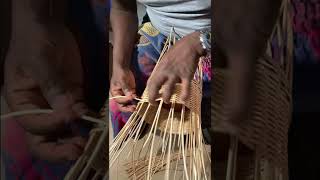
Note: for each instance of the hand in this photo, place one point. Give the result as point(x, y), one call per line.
point(177, 66)
point(46, 73)
point(123, 84)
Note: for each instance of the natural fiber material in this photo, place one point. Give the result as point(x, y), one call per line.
point(266, 130)
point(92, 163)
point(45, 111)
point(178, 125)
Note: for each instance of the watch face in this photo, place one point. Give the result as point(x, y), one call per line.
point(205, 39)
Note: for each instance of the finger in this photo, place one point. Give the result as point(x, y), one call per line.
point(45, 123)
point(128, 108)
point(78, 140)
point(27, 97)
point(169, 89)
point(122, 99)
point(53, 151)
point(185, 89)
point(154, 86)
point(71, 102)
point(129, 91)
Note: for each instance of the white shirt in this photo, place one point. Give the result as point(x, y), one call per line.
point(186, 16)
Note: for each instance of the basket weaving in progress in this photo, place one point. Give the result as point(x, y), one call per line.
point(174, 143)
point(265, 132)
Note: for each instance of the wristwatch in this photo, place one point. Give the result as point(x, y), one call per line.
point(205, 39)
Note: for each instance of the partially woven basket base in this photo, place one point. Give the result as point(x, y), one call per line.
point(192, 112)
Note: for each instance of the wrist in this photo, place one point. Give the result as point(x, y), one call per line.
point(205, 39)
point(120, 66)
point(120, 59)
point(197, 45)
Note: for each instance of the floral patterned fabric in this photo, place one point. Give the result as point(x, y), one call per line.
point(306, 27)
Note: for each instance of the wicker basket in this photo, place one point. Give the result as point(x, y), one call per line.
point(266, 131)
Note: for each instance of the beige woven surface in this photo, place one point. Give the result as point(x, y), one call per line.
point(266, 130)
point(193, 102)
point(192, 112)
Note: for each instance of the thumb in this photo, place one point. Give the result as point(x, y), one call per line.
point(68, 100)
point(129, 90)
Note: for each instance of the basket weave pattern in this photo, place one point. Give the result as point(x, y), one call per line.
point(266, 130)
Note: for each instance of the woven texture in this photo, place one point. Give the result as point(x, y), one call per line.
point(266, 130)
point(193, 109)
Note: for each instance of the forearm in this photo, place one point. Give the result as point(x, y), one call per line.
point(243, 27)
point(241, 31)
point(37, 26)
point(36, 16)
point(240, 82)
point(124, 22)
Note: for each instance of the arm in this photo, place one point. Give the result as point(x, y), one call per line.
point(124, 22)
point(37, 26)
point(241, 33)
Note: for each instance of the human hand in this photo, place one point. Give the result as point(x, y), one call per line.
point(123, 84)
point(178, 65)
point(46, 73)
